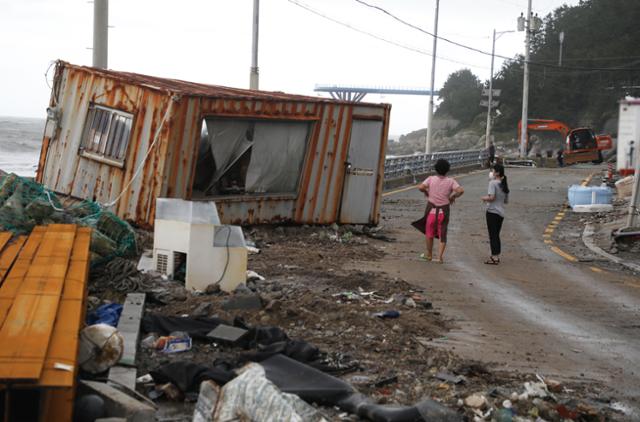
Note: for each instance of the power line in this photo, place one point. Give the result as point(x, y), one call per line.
point(378, 37)
point(417, 28)
point(477, 50)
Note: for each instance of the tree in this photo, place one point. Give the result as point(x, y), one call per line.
point(460, 97)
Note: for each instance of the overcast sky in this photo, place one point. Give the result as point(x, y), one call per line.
point(209, 41)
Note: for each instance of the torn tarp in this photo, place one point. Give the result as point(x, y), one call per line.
point(314, 386)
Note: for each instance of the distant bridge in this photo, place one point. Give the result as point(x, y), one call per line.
point(357, 93)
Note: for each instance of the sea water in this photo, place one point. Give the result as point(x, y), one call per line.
point(20, 141)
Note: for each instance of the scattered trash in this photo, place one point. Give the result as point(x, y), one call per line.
point(253, 250)
point(475, 401)
point(175, 342)
point(387, 314)
point(254, 276)
point(106, 314)
point(454, 379)
point(386, 381)
point(145, 379)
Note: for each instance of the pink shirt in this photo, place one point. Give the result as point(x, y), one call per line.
point(440, 188)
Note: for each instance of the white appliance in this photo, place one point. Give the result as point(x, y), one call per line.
point(190, 233)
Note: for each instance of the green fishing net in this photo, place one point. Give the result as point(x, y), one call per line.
point(25, 204)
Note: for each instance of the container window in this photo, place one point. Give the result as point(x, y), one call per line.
point(250, 157)
point(106, 134)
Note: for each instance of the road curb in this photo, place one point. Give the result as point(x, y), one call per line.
point(587, 239)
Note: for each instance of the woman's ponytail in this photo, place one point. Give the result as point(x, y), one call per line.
point(499, 169)
point(504, 185)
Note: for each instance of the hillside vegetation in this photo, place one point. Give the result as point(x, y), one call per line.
point(600, 66)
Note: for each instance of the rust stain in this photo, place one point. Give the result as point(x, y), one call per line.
point(322, 158)
point(326, 207)
point(342, 158)
point(305, 180)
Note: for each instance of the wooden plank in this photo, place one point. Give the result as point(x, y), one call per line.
point(63, 348)
point(27, 329)
point(20, 267)
point(5, 237)
point(57, 405)
point(129, 327)
point(9, 255)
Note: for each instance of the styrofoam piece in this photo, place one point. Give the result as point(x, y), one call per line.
point(624, 187)
point(192, 212)
point(593, 208)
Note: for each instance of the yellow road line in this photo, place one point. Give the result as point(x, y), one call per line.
point(548, 230)
point(596, 270)
point(393, 192)
point(548, 242)
point(563, 254)
point(546, 235)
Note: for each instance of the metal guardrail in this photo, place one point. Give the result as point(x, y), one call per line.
point(408, 165)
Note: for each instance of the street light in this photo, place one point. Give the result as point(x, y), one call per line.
point(496, 35)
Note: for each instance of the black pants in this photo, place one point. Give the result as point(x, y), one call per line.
point(494, 225)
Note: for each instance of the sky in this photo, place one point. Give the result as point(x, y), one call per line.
point(209, 41)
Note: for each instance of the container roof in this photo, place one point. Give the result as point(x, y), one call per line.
point(195, 89)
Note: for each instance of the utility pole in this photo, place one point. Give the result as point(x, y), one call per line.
point(561, 38)
point(493, 52)
point(433, 81)
point(253, 77)
point(100, 33)
point(496, 35)
point(525, 86)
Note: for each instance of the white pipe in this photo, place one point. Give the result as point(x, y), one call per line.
point(100, 33)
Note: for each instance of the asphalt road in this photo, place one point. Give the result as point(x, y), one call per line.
point(536, 311)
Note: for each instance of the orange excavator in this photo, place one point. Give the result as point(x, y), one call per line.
point(582, 145)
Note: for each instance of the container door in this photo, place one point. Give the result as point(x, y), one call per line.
point(361, 168)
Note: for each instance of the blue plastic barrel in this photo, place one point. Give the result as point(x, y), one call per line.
point(584, 195)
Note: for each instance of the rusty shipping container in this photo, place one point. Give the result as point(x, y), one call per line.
point(124, 139)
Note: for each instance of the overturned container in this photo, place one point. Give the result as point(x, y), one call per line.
point(124, 139)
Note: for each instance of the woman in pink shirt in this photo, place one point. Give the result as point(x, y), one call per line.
point(441, 191)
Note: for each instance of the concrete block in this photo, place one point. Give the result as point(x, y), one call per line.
point(117, 403)
point(227, 333)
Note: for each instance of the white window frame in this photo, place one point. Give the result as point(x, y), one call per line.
point(106, 140)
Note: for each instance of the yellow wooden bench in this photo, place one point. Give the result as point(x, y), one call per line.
point(43, 284)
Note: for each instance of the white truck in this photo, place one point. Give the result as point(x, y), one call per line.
point(628, 135)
